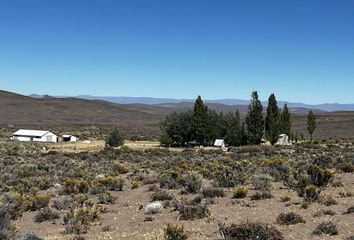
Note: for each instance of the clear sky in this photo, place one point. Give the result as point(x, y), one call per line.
point(302, 50)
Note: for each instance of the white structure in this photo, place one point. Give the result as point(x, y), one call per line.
point(25, 135)
point(283, 140)
point(219, 143)
point(69, 138)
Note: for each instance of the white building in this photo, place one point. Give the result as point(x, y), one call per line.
point(219, 143)
point(69, 138)
point(25, 135)
point(283, 140)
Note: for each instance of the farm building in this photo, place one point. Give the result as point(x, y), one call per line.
point(219, 143)
point(25, 135)
point(69, 138)
point(283, 140)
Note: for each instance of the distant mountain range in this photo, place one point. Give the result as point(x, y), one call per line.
point(328, 107)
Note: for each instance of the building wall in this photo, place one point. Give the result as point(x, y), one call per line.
point(49, 137)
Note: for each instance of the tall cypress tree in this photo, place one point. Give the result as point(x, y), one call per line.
point(311, 123)
point(255, 120)
point(285, 122)
point(200, 122)
point(272, 120)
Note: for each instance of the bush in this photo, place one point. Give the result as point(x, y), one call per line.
point(261, 195)
point(31, 236)
point(192, 183)
point(326, 228)
point(115, 139)
point(213, 192)
point(347, 167)
point(240, 192)
point(121, 168)
point(262, 182)
point(328, 200)
point(311, 193)
point(78, 220)
point(285, 198)
point(37, 202)
point(175, 232)
point(349, 210)
point(135, 184)
point(161, 195)
point(46, 214)
point(289, 218)
point(106, 198)
point(319, 177)
point(248, 231)
point(74, 186)
point(5, 223)
point(153, 207)
point(111, 183)
point(193, 212)
point(324, 212)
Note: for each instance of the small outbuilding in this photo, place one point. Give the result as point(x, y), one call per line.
point(283, 140)
point(220, 143)
point(25, 135)
point(69, 138)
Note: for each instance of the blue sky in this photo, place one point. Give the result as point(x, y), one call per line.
point(302, 50)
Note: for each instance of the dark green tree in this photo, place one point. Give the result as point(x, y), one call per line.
point(200, 122)
point(272, 120)
point(255, 120)
point(235, 130)
point(115, 139)
point(176, 128)
point(285, 121)
point(311, 123)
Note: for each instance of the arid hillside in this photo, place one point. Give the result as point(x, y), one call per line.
point(96, 117)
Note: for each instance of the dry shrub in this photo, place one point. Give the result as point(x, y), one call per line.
point(212, 192)
point(323, 212)
point(261, 195)
point(190, 212)
point(74, 186)
point(289, 218)
point(248, 231)
point(161, 195)
point(326, 228)
point(349, 210)
point(240, 192)
point(175, 232)
point(46, 214)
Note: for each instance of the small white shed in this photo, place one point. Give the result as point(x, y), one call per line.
point(25, 135)
point(219, 143)
point(69, 138)
point(283, 140)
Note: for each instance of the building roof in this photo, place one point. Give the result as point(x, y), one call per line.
point(32, 133)
point(218, 142)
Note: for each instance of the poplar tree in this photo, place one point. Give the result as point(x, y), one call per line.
point(255, 120)
point(200, 122)
point(311, 123)
point(285, 122)
point(272, 120)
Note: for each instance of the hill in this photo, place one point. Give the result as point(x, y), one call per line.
point(96, 117)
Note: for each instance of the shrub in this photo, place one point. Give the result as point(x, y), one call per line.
point(46, 214)
point(161, 195)
point(121, 168)
point(111, 183)
point(78, 220)
point(5, 223)
point(192, 183)
point(326, 228)
point(115, 139)
point(347, 167)
point(175, 232)
point(188, 212)
point(74, 186)
point(285, 198)
point(135, 184)
point(153, 207)
point(328, 200)
point(311, 193)
point(319, 177)
point(106, 198)
point(349, 210)
point(228, 177)
point(37, 202)
point(324, 212)
point(31, 236)
point(248, 231)
point(289, 218)
point(213, 192)
point(261, 195)
point(262, 182)
point(240, 192)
